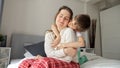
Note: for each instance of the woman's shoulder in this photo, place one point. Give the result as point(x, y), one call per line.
point(49, 33)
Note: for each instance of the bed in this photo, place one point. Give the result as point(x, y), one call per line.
point(18, 52)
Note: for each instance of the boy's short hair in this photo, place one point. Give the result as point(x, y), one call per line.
point(83, 21)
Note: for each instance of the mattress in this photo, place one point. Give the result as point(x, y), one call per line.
point(18, 52)
point(94, 62)
point(14, 63)
point(102, 63)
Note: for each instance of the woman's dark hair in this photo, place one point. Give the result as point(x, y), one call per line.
point(65, 8)
point(83, 21)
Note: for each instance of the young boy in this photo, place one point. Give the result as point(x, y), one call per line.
point(80, 23)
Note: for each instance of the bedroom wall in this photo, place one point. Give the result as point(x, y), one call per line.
point(110, 23)
point(1, 8)
point(33, 16)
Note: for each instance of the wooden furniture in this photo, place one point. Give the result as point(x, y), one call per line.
point(4, 56)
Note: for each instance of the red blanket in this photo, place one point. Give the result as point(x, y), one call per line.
point(47, 63)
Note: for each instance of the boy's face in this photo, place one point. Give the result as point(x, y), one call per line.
point(73, 24)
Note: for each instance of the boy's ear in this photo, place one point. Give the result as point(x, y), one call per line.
point(70, 21)
point(78, 28)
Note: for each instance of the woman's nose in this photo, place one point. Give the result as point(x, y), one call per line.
point(62, 19)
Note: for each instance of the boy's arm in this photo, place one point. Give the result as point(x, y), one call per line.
point(79, 43)
point(56, 41)
point(56, 32)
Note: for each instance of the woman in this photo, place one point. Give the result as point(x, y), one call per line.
point(55, 58)
point(62, 19)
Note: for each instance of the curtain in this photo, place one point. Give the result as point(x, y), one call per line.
point(92, 33)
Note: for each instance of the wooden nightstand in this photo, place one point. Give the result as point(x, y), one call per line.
point(4, 56)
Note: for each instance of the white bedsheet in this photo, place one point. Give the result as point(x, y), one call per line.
point(14, 63)
point(102, 63)
point(94, 62)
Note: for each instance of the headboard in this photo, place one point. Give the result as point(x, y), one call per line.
point(17, 44)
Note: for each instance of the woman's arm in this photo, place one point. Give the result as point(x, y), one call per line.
point(79, 43)
point(49, 50)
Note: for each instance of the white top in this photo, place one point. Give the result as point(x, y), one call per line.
point(75, 59)
point(78, 34)
point(67, 35)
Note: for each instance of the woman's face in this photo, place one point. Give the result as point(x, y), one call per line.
point(62, 19)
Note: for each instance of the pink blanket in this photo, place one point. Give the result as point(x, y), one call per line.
point(47, 62)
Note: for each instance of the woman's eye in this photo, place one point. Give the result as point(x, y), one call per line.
point(66, 18)
point(60, 16)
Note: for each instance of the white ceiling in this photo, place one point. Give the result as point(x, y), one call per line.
point(97, 1)
point(102, 4)
point(91, 1)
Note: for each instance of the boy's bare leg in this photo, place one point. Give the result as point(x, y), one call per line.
point(70, 51)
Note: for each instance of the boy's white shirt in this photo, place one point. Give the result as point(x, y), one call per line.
point(67, 35)
point(75, 59)
point(78, 34)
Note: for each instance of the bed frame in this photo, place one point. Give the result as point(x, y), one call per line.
point(18, 41)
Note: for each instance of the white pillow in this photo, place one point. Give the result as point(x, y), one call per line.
point(28, 54)
point(90, 56)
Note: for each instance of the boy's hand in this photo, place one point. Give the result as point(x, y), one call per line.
point(56, 32)
point(54, 43)
point(60, 46)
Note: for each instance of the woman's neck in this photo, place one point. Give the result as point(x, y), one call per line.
point(59, 29)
